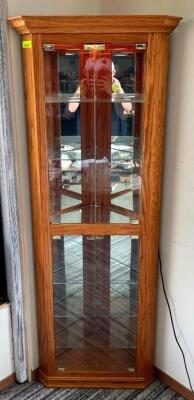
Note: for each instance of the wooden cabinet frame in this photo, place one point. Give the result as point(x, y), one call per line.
point(154, 31)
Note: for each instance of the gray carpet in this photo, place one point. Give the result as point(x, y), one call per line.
point(35, 391)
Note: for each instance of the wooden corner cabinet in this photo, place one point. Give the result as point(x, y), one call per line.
point(95, 90)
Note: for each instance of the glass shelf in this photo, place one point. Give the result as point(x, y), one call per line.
point(121, 147)
point(82, 180)
point(69, 282)
point(96, 359)
point(99, 287)
point(96, 332)
point(115, 98)
point(70, 299)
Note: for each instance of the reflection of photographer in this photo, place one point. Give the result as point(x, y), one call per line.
point(116, 89)
point(121, 111)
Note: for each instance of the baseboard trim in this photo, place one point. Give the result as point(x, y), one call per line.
point(34, 375)
point(7, 381)
point(178, 387)
point(102, 381)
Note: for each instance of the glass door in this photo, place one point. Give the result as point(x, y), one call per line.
point(93, 108)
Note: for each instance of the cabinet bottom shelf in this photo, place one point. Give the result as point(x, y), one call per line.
point(94, 380)
point(96, 359)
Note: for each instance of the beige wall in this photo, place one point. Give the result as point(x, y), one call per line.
point(166, 7)
point(177, 219)
point(53, 7)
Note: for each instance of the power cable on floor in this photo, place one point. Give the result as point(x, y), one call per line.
point(172, 322)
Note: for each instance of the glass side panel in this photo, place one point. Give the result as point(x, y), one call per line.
point(95, 294)
point(94, 103)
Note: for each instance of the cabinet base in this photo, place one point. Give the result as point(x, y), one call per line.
point(98, 381)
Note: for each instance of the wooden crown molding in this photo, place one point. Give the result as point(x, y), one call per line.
point(95, 24)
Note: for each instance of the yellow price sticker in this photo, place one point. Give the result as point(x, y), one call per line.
point(26, 44)
point(115, 87)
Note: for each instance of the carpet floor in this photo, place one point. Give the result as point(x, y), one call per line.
point(36, 391)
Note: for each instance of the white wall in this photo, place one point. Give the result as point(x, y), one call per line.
point(6, 344)
point(177, 227)
point(27, 7)
point(177, 219)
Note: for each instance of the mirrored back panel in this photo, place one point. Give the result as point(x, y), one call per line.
point(95, 296)
point(94, 101)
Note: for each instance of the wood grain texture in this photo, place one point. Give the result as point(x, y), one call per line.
point(71, 38)
point(155, 76)
point(35, 124)
point(176, 386)
point(95, 380)
point(48, 348)
point(95, 24)
point(153, 128)
point(97, 229)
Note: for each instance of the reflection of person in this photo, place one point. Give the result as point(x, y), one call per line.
point(116, 89)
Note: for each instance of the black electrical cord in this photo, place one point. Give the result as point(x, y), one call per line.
point(172, 322)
